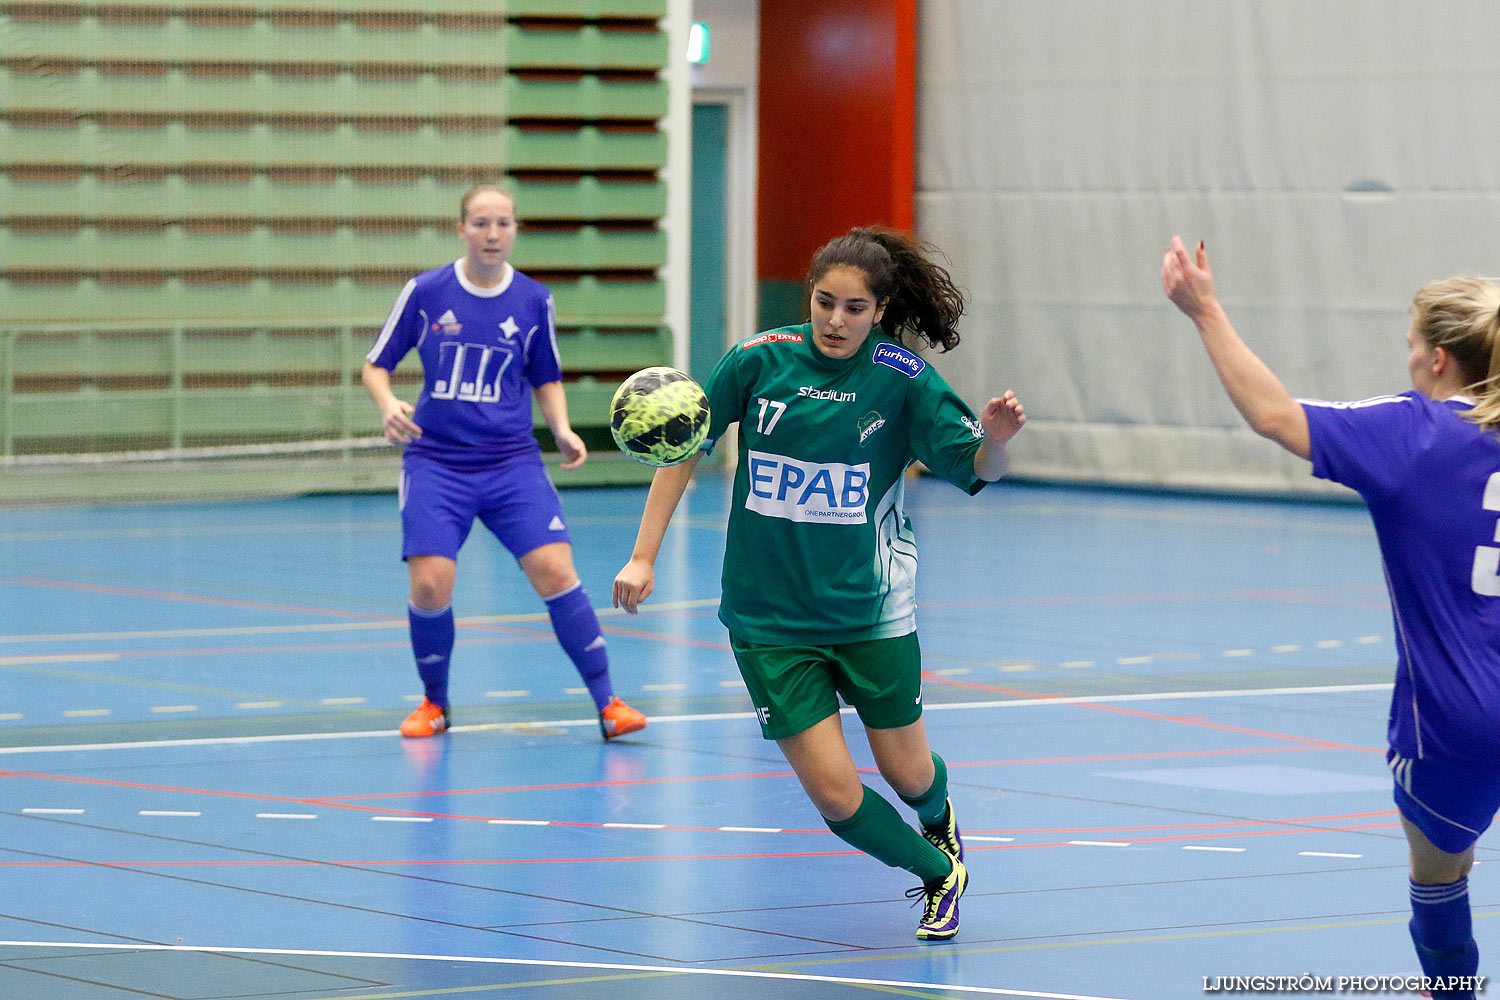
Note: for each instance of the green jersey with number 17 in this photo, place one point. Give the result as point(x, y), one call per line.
point(819, 550)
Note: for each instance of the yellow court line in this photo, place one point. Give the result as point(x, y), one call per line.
point(486, 987)
point(11, 661)
point(951, 950)
point(390, 623)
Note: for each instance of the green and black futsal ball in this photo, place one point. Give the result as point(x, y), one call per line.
point(659, 416)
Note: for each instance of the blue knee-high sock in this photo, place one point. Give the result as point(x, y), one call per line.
point(1443, 931)
point(577, 629)
point(432, 645)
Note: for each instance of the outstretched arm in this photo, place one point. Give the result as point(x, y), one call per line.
point(636, 580)
point(1253, 388)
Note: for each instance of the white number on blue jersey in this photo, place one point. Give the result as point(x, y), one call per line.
point(1486, 577)
point(470, 372)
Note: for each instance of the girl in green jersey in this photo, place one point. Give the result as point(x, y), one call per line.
point(820, 562)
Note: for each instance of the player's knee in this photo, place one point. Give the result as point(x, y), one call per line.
point(430, 594)
point(836, 805)
point(907, 778)
point(1440, 869)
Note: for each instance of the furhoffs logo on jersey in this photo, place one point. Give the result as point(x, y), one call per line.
point(974, 426)
point(899, 358)
point(831, 493)
point(448, 323)
point(771, 338)
point(869, 424)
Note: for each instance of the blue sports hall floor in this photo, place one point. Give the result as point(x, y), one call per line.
point(1163, 718)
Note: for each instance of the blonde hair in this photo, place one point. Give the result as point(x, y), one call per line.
point(1462, 316)
point(475, 191)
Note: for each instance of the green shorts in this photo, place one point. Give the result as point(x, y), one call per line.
point(793, 687)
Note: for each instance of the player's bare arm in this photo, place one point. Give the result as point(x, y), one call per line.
point(553, 403)
point(1002, 419)
point(1253, 388)
point(395, 413)
point(636, 580)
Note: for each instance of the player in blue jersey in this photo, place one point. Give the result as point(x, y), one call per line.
point(486, 337)
point(820, 562)
point(1427, 463)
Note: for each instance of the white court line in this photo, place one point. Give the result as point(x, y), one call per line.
point(1098, 843)
point(634, 826)
point(542, 963)
point(520, 822)
point(1326, 854)
point(659, 720)
point(168, 812)
point(401, 819)
point(1226, 850)
point(748, 829)
point(1006, 840)
point(39, 811)
point(286, 815)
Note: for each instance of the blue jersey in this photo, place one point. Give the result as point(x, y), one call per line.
point(1432, 482)
point(483, 350)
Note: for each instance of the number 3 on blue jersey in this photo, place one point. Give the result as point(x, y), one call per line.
point(1486, 577)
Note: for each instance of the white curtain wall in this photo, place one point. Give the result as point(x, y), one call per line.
point(1333, 155)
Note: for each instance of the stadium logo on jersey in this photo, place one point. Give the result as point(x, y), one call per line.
point(899, 358)
point(510, 327)
point(830, 394)
point(448, 323)
point(869, 424)
point(771, 338)
point(807, 491)
point(974, 426)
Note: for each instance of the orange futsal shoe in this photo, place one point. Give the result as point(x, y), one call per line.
point(429, 720)
point(618, 718)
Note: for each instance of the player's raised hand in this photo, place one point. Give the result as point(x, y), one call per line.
point(1187, 281)
point(1002, 417)
point(633, 584)
point(396, 422)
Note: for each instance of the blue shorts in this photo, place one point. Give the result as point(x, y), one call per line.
point(516, 501)
point(1451, 801)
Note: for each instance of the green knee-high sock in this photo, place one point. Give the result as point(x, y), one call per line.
point(932, 804)
point(878, 830)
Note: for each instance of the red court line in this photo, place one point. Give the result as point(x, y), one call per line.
point(416, 862)
point(1094, 759)
point(676, 640)
point(1138, 713)
point(318, 647)
point(1205, 826)
point(1304, 596)
point(169, 595)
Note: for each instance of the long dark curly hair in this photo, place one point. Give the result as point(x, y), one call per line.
point(921, 301)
